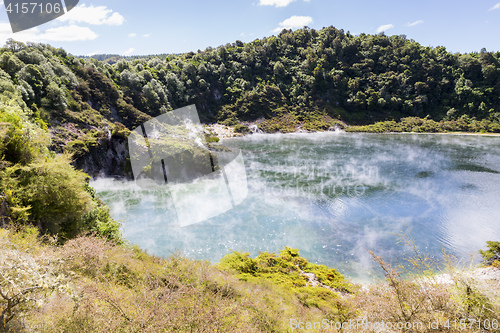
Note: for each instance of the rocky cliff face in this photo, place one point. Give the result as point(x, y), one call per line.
point(109, 158)
point(4, 211)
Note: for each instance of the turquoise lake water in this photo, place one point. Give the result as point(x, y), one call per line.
point(334, 196)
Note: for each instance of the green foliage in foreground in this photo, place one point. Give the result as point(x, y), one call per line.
point(91, 285)
point(285, 269)
point(291, 274)
point(491, 256)
point(42, 188)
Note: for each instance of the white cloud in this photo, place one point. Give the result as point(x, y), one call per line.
point(384, 27)
point(146, 35)
point(129, 51)
point(22, 36)
point(30, 35)
point(69, 33)
point(276, 3)
point(115, 19)
point(5, 28)
point(92, 15)
point(412, 24)
point(294, 22)
point(132, 35)
point(497, 6)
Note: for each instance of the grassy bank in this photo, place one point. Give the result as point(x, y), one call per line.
point(423, 125)
point(320, 123)
point(93, 285)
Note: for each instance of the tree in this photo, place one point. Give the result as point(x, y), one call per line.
point(279, 69)
point(55, 97)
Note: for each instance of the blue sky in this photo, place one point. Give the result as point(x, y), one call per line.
point(151, 26)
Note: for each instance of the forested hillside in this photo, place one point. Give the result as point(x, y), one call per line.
point(360, 79)
point(299, 79)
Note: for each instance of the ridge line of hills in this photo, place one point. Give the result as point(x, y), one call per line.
point(306, 78)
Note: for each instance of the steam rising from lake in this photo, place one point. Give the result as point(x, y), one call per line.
point(334, 196)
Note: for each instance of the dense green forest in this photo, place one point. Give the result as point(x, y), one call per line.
point(360, 79)
point(297, 76)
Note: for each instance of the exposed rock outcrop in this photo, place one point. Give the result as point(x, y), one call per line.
point(109, 158)
point(4, 210)
point(313, 281)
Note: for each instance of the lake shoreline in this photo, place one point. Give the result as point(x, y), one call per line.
point(225, 132)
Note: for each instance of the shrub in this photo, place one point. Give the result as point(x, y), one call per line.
point(423, 297)
point(54, 193)
point(28, 275)
point(42, 188)
point(240, 262)
point(99, 221)
point(285, 123)
point(119, 130)
point(240, 128)
point(21, 140)
point(492, 254)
